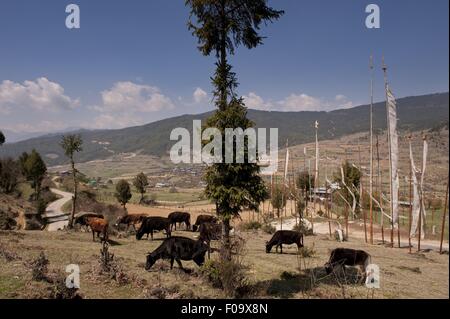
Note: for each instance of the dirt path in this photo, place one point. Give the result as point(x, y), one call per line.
point(56, 217)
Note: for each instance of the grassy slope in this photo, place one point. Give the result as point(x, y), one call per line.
point(423, 275)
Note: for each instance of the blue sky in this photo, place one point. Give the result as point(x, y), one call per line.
point(134, 62)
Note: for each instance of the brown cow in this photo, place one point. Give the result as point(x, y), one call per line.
point(99, 226)
point(129, 220)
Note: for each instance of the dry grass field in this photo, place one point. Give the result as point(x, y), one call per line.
point(403, 275)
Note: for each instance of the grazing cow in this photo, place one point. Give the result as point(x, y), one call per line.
point(287, 237)
point(129, 220)
point(201, 219)
point(178, 249)
point(82, 219)
point(180, 217)
point(150, 224)
point(99, 226)
point(348, 257)
point(208, 232)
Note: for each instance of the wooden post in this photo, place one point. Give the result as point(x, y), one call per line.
point(443, 217)
point(327, 200)
point(346, 221)
point(420, 224)
point(361, 193)
point(380, 191)
point(398, 224)
point(371, 154)
point(410, 205)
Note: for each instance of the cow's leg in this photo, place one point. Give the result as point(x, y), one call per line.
point(209, 250)
point(281, 248)
point(179, 263)
point(151, 234)
point(171, 262)
point(93, 235)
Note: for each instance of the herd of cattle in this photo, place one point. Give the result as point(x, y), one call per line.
point(175, 248)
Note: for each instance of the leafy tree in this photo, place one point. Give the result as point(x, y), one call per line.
point(305, 181)
point(278, 199)
point(123, 192)
point(72, 144)
point(34, 169)
point(141, 183)
point(2, 138)
point(9, 175)
point(221, 26)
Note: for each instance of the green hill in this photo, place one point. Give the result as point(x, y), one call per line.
point(415, 113)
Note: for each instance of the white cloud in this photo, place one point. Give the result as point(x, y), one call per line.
point(115, 121)
point(41, 95)
point(131, 97)
point(254, 101)
point(297, 103)
point(126, 103)
point(301, 102)
point(43, 126)
point(343, 102)
point(200, 95)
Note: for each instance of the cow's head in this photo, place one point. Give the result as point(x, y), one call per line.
point(268, 247)
point(118, 221)
point(328, 268)
point(139, 234)
point(150, 262)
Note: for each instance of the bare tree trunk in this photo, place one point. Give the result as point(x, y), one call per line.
point(75, 191)
point(226, 247)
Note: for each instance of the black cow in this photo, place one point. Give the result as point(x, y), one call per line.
point(178, 249)
point(208, 232)
point(180, 217)
point(287, 237)
point(201, 219)
point(348, 257)
point(150, 224)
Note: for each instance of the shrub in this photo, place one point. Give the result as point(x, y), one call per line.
point(39, 267)
point(229, 274)
point(110, 267)
point(269, 229)
point(173, 190)
point(307, 252)
point(302, 228)
point(251, 225)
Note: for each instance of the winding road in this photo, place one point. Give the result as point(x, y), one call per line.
point(56, 218)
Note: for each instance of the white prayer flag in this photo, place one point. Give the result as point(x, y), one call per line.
point(393, 141)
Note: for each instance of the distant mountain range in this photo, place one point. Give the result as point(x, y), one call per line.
point(415, 113)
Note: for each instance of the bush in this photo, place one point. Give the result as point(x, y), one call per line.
point(251, 225)
point(229, 275)
point(173, 190)
point(301, 228)
point(110, 267)
point(307, 252)
point(269, 229)
point(39, 267)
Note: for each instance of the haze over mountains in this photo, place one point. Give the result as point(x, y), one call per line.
point(415, 113)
